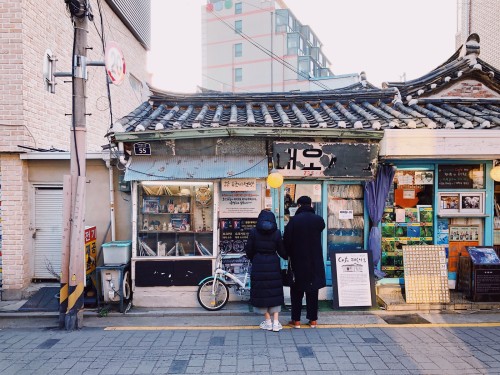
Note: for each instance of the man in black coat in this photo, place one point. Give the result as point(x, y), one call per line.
point(302, 239)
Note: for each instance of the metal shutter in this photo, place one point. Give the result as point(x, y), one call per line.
point(48, 224)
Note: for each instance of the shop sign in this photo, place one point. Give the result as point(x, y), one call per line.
point(142, 148)
point(240, 204)
point(90, 249)
point(311, 159)
point(239, 184)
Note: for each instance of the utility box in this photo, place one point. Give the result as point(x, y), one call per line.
point(479, 274)
point(116, 252)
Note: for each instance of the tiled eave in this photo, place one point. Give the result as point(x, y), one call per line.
point(149, 136)
point(332, 117)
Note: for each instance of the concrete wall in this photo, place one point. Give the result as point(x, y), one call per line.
point(98, 192)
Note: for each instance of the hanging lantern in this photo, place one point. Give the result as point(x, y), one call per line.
point(275, 179)
point(495, 173)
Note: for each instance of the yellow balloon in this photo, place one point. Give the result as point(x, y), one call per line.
point(494, 173)
point(275, 180)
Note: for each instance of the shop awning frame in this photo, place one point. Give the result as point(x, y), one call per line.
point(146, 168)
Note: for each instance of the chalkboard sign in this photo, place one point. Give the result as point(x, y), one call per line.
point(234, 234)
point(456, 176)
point(487, 281)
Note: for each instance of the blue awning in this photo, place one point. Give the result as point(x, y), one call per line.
point(195, 168)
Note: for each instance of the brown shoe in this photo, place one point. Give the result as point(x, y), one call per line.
point(294, 323)
point(313, 323)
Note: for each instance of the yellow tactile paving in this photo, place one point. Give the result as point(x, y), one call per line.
point(322, 326)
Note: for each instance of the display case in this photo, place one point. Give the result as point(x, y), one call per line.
point(174, 219)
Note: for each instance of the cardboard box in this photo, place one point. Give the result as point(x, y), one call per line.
point(116, 252)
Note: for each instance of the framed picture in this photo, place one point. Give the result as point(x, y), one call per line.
point(471, 203)
point(449, 203)
point(151, 205)
point(424, 177)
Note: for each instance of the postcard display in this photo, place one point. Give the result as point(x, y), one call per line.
point(407, 218)
point(175, 220)
point(426, 274)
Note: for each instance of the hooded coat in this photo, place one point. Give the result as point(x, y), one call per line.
point(263, 246)
point(302, 240)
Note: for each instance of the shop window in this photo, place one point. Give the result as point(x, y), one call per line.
point(175, 219)
point(345, 221)
point(294, 192)
point(408, 217)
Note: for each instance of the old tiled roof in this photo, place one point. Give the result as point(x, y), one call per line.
point(359, 107)
point(463, 63)
point(371, 110)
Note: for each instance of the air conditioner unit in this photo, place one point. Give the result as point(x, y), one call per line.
point(110, 284)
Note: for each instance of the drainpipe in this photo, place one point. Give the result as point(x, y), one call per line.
point(121, 152)
point(111, 199)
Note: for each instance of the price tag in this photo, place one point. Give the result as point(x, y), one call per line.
point(142, 148)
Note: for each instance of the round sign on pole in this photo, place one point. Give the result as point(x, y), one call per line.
point(115, 63)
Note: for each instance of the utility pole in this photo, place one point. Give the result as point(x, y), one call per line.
point(73, 272)
point(73, 242)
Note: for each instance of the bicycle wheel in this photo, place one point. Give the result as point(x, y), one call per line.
point(213, 297)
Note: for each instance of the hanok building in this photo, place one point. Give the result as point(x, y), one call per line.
point(198, 166)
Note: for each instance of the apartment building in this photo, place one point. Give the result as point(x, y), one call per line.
point(480, 17)
point(35, 125)
point(261, 46)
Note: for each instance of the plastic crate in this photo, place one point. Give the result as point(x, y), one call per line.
point(116, 252)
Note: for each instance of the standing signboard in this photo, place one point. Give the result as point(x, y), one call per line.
point(352, 279)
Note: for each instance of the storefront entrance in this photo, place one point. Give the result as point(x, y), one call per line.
point(342, 207)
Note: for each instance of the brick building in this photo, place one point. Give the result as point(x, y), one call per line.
point(35, 126)
point(481, 17)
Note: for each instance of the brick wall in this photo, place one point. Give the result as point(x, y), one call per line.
point(32, 117)
point(485, 22)
point(11, 72)
point(37, 118)
point(484, 16)
point(15, 213)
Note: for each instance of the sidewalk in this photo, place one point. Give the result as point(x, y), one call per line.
point(239, 315)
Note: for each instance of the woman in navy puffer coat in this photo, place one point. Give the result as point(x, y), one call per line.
point(263, 247)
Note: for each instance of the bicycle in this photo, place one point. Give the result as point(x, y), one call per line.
point(213, 291)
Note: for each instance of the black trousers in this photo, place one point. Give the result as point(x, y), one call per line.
point(311, 303)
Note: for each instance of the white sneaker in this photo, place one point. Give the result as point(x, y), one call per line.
point(266, 325)
point(277, 326)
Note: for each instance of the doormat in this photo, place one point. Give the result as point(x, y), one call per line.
point(405, 319)
point(46, 299)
